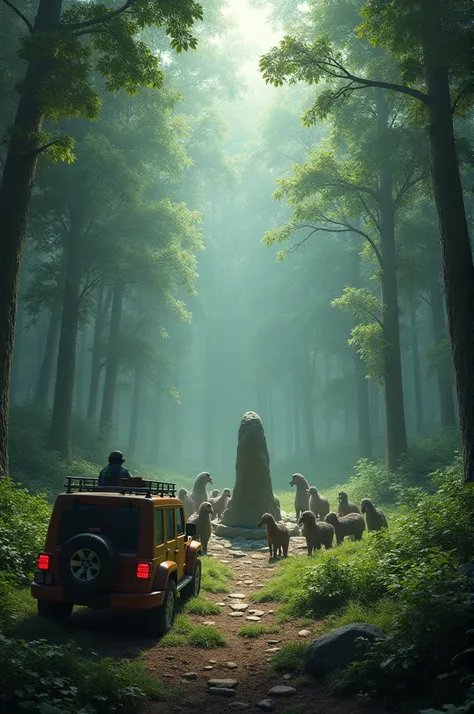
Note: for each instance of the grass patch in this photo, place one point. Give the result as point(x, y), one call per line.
point(185, 633)
point(381, 615)
point(215, 576)
point(289, 659)
point(206, 638)
point(257, 630)
point(197, 606)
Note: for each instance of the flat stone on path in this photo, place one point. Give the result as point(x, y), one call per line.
point(224, 561)
point(239, 554)
point(239, 607)
point(236, 614)
point(221, 604)
point(239, 705)
point(209, 623)
point(273, 642)
point(257, 613)
point(237, 596)
point(208, 667)
point(221, 691)
point(273, 649)
point(266, 705)
point(228, 683)
point(304, 633)
point(254, 618)
point(189, 675)
point(231, 665)
point(282, 690)
point(248, 582)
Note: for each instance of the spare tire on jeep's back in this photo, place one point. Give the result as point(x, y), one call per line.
point(87, 563)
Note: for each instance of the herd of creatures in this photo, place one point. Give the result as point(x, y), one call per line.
point(319, 524)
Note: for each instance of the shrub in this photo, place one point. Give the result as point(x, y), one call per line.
point(289, 658)
point(57, 679)
point(23, 528)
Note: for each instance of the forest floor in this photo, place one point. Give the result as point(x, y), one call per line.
point(242, 659)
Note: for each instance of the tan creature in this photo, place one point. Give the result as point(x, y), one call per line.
point(302, 497)
point(374, 516)
point(318, 504)
point(202, 519)
point(278, 535)
point(199, 490)
point(317, 533)
point(187, 502)
point(215, 493)
point(345, 506)
point(351, 525)
point(220, 504)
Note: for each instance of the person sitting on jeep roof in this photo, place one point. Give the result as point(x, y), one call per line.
point(111, 474)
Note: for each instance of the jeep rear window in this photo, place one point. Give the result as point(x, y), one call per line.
point(119, 524)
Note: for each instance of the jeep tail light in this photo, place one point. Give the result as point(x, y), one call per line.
point(43, 562)
point(143, 570)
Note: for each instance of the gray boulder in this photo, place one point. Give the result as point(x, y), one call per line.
point(338, 648)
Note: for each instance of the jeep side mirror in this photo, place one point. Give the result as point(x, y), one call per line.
point(190, 530)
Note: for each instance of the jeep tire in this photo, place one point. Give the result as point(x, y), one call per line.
point(161, 619)
point(194, 587)
point(87, 563)
point(55, 611)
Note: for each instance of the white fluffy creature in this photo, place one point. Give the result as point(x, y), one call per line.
point(199, 490)
point(219, 504)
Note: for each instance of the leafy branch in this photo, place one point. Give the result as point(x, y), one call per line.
point(17, 12)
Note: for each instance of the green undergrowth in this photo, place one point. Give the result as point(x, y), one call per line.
point(184, 633)
point(198, 606)
point(405, 580)
point(215, 576)
point(257, 630)
point(58, 679)
point(289, 659)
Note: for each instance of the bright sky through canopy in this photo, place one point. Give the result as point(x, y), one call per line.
point(254, 27)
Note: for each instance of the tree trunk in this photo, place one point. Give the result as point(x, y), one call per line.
point(100, 318)
point(135, 412)
point(415, 351)
point(16, 368)
point(156, 429)
point(456, 251)
point(396, 438)
point(111, 368)
point(61, 422)
point(362, 383)
point(307, 397)
point(444, 376)
point(296, 407)
point(79, 386)
point(15, 192)
point(45, 378)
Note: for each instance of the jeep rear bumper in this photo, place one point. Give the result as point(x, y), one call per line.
point(119, 601)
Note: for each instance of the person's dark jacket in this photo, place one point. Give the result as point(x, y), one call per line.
point(111, 475)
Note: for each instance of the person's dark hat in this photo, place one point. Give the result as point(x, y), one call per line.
point(116, 456)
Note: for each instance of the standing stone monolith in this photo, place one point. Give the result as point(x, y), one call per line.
point(252, 495)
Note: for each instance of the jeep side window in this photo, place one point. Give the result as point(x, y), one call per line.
point(170, 524)
point(160, 535)
point(180, 521)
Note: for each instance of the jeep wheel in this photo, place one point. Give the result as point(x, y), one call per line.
point(194, 587)
point(87, 563)
point(161, 619)
point(56, 611)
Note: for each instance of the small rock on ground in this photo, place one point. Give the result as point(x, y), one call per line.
point(273, 642)
point(231, 665)
point(236, 614)
point(239, 607)
point(189, 675)
point(226, 683)
point(266, 705)
point(237, 596)
point(273, 649)
point(209, 622)
point(257, 613)
point(282, 690)
point(304, 633)
point(253, 618)
point(222, 691)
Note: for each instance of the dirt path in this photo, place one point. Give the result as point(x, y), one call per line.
point(245, 660)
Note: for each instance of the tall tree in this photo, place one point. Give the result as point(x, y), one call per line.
point(433, 43)
point(60, 50)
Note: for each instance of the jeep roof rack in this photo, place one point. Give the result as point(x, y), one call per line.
point(139, 486)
